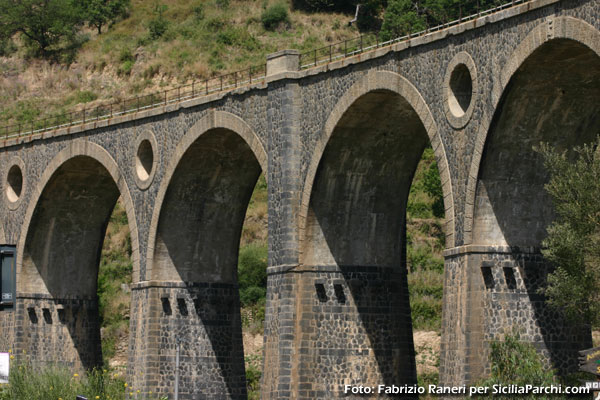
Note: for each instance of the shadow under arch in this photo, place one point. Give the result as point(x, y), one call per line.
point(549, 93)
point(195, 240)
point(354, 326)
point(58, 255)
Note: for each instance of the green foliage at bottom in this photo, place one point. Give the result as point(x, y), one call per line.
point(253, 375)
point(514, 362)
point(58, 382)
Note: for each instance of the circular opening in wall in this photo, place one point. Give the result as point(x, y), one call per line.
point(144, 160)
point(461, 89)
point(14, 185)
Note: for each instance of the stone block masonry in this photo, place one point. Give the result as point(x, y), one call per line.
point(339, 144)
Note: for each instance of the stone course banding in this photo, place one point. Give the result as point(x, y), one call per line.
point(297, 127)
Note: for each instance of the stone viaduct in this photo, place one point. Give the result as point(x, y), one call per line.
point(339, 144)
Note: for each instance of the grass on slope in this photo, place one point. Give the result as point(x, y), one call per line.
point(201, 38)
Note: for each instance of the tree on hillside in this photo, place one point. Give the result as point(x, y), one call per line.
point(45, 24)
point(401, 18)
point(409, 16)
point(573, 242)
point(99, 13)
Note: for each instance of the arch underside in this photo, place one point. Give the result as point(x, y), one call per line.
point(195, 256)
point(58, 278)
point(355, 249)
point(553, 97)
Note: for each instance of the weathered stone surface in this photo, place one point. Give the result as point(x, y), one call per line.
point(338, 144)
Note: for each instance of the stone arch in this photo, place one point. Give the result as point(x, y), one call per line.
point(213, 120)
point(552, 29)
point(390, 81)
point(193, 250)
point(546, 92)
point(352, 235)
point(58, 253)
point(99, 154)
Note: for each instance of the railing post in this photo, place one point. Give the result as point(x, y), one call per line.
point(97, 113)
point(206, 85)
point(165, 97)
point(19, 131)
point(193, 87)
point(315, 57)
point(137, 99)
point(235, 79)
point(345, 47)
point(111, 110)
point(377, 40)
point(330, 52)
point(221, 82)
point(84, 115)
point(361, 43)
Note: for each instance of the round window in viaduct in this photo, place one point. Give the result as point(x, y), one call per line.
point(14, 183)
point(460, 90)
point(145, 160)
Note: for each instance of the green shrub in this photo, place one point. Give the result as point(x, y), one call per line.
point(125, 68)
point(252, 295)
point(125, 54)
point(275, 15)
point(252, 273)
point(81, 96)
point(428, 378)
point(7, 47)
point(517, 363)
point(158, 25)
point(253, 375)
point(233, 36)
point(421, 257)
point(198, 10)
point(400, 19)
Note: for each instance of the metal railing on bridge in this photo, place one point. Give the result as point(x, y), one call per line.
point(136, 104)
point(221, 83)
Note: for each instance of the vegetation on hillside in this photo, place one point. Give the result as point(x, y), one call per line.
point(425, 242)
point(61, 55)
point(156, 45)
point(114, 277)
